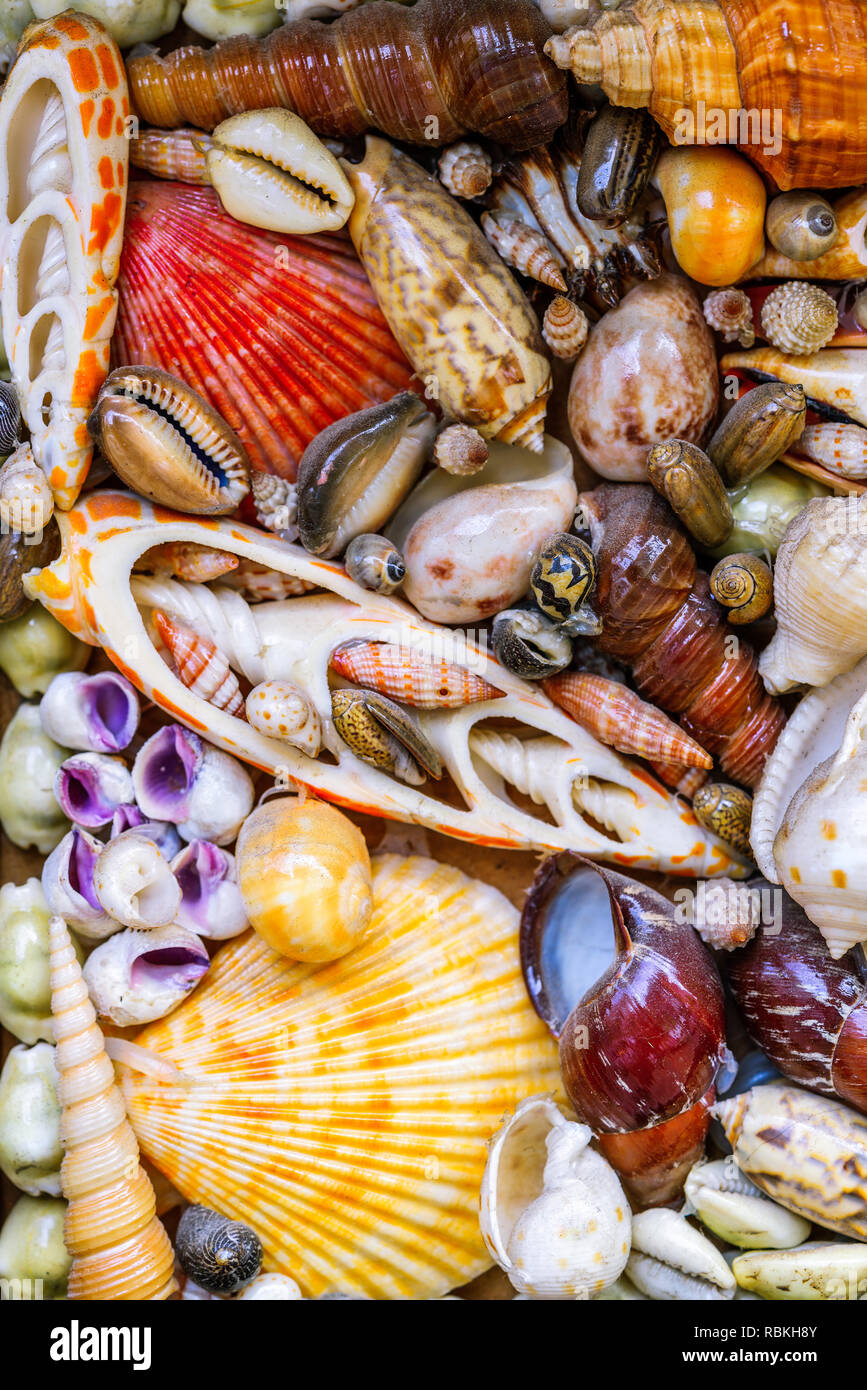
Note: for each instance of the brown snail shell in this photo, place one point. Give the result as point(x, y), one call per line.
point(620, 150)
point(168, 444)
point(757, 431)
point(727, 811)
point(801, 225)
point(18, 554)
point(693, 488)
point(744, 585)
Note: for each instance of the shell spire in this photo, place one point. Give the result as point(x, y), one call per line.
point(119, 1248)
point(410, 677)
point(614, 714)
point(201, 665)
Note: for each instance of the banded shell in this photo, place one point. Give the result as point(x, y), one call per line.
point(382, 734)
point(10, 418)
point(744, 585)
point(839, 447)
point(374, 563)
point(119, 1248)
point(460, 449)
point(806, 1151)
point(524, 249)
point(565, 327)
point(172, 154)
point(726, 810)
point(618, 717)
point(672, 1261)
point(563, 578)
point(221, 1256)
point(409, 677)
point(281, 335)
point(200, 664)
point(730, 312)
point(276, 504)
point(168, 444)
point(736, 1210)
point(799, 317)
point(413, 1097)
point(465, 169)
point(280, 710)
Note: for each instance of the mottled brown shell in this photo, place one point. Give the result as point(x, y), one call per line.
point(757, 431)
point(693, 488)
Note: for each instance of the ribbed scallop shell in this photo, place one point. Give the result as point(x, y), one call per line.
point(281, 334)
point(730, 313)
point(173, 154)
point(524, 248)
point(617, 716)
point(839, 447)
point(799, 317)
point(201, 665)
point(343, 1111)
point(406, 676)
point(119, 1247)
point(565, 327)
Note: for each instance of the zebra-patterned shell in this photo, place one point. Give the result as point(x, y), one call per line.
point(563, 577)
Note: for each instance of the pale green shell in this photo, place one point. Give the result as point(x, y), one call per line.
point(31, 1247)
point(35, 648)
point(30, 1147)
point(25, 991)
point(29, 760)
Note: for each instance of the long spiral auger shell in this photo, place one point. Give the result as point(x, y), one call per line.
point(120, 1249)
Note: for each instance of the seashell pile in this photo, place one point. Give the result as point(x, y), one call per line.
point(450, 448)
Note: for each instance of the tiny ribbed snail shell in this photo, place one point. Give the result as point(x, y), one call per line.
point(524, 248)
point(220, 1255)
point(801, 225)
point(276, 503)
point(168, 444)
point(693, 488)
point(799, 317)
point(563, 578)
point(465, 169)
point(727, 811)
point(565, 327)
point(26, 499)
point(374, 563)
point(757, 430)
point(530, 645)
point(725, 914)
point(379, 732)
point(10, 417)
point(730, 312)
point(744, 585)
point(460, 449)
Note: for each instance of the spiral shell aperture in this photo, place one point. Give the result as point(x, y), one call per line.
point(119, 1247)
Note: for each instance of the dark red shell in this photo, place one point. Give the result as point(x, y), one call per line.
point(806, 1011)
point(644, 1042)
point(658, 613)
point(653, 1164)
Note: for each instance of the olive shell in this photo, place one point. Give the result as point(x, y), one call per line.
point(18, 554)
point(620, 149)
point(757, 430)
point(744, 585)
point(727, 812)
point(220, 1255)
point(693, 488)
point(563, 577)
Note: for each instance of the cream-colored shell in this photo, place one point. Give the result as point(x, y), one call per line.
point(819, 848)
point(270, 1288)
point(30, 1149)
point(281, 710)
point(25, 991)
point(820, 595)
point(812, 735)
point(271, 171)
point(818, 1270)
point(32, 1248)
point(735, 1209)
point(835, 376)
point(465, 169)
point(730, 313)
point(672, 1261)
point(128, 21)
point(29, 760)
point(806, 1151)
point(134, 883)
point(799, 317)
point(26, 499)
point(35, 648)
point(222, 19)
point(553, 1213)
point(839, 447)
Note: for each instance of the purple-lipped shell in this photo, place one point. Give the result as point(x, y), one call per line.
point(90, 787)
point(138, 976)
point(67, 881)
point(162, 832)
point(168, 967)
point(211, 902)
point(96, 714)
point(165, 773)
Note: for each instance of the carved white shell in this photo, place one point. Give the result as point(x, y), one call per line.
point(820, 595)
point(672, 1261)
point(731, 1206)
point(553, 1213)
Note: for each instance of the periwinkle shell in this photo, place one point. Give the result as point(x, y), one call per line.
point(220, 1255)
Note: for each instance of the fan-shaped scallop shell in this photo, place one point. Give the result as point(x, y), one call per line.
point(119, 1247)
point(343, 1111)
point(730, 312)
point(799, 317)
point(200, 664)
point(281, 334)
point(409, 677)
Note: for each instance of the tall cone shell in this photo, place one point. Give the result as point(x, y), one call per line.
point(281, 334)
point(343, 1111)
point(119, 1248)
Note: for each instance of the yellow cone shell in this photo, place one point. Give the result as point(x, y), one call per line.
point(304, 874)
point(343, 1111)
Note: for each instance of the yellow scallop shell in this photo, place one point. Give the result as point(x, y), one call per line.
point(343, 1111)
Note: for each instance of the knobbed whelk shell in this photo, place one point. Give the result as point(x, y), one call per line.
point(119, 1248)
point(355, 473)
point(410, 1094)
point(806, 1151)
point(735, 1209)
point(168, 444)
point(820, 595)
point(817, 1270)
point(671, 1260)
point(271, 170)
point(799, 317)
point(475, 336)
point(553, 1213)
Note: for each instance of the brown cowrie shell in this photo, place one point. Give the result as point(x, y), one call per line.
point(271, 171)
point(168, 444)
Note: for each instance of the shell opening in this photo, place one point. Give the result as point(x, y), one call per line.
point(169, 967)
point(80, 867)
point(112, 711)
point(567, 944)
point(199, 453)
point(171, 763)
